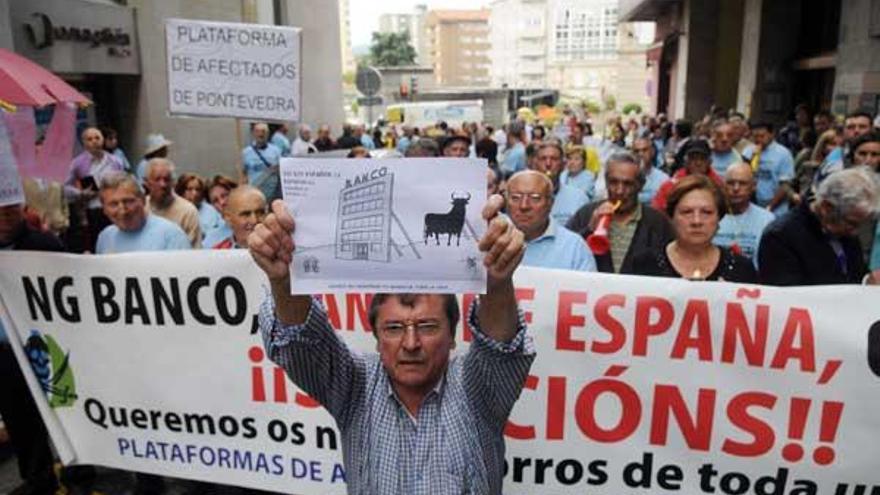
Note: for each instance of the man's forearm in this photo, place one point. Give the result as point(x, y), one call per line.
point(290, 309)
point(781, 194)
point(498, 311)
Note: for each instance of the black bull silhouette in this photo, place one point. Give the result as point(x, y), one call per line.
point(450, 223)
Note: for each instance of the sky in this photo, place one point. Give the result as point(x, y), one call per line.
point(365, 13)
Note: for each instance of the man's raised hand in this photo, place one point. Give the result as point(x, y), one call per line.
point(503, 244)
point(271, 243)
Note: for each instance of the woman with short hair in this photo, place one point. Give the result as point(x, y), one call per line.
point(695, 205)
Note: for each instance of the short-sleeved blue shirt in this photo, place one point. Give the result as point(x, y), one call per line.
point(560, 248)
point(157, 234)
point(253, 165)
point(653, 180)
point(744, 230)
point(775, 166)
point(722, 161)
point(567, 202)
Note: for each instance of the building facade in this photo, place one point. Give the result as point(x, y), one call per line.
point(126, 76)
point(349, 65)
point(363, 225)
point(574, 46)
point(458, 46)
point(518, 36)
point(762, 57)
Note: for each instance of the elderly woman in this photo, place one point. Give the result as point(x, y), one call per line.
point(575, 173)
point(193, 188)
point(218, 191)
point(695, 205)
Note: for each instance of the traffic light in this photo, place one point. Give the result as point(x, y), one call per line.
point(414, 84)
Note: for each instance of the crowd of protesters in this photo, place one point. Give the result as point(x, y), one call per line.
point(721, 198)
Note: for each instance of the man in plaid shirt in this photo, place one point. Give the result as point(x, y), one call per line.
point(413, 419)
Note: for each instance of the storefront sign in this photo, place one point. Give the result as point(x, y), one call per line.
point(75, 36)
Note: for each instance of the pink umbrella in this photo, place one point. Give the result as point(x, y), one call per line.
point(23, 82)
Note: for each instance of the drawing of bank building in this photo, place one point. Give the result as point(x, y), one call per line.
point(363, 225)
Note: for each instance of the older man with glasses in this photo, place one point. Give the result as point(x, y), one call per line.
point(548, 244)
point(413, 419)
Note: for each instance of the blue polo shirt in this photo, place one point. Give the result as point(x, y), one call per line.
point(253, 165)
point(282, 142)
point(514, 159)
point(210, 219)
point(559, 248)
point(567, 202)
point(832, 163)
point(367, 142)
point(583, 181)
point(775, 166)
point(653, 181)
point(744, 230)
point(157, 234)
point(722, 161)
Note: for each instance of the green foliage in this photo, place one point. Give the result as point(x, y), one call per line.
point(632, 108)
point(610, 102)
point(391, 49)
point(592, 107)
point(348, 78)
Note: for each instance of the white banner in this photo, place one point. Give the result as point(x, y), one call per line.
point(225, 69)
point(641, 385)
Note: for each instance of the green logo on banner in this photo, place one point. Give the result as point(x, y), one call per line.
point(52, 367)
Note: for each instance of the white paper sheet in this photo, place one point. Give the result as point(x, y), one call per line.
point(396, 225)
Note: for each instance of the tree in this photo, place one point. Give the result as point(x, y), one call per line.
point(610, 102)
point(591, 107)
point(392, 49)
point(632, 108)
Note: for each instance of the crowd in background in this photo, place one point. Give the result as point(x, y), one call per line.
point(632, 174)
point(721, 198)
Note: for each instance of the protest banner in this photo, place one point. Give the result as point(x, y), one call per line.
point(404, 225)
point(225, 69)
point(640, 385)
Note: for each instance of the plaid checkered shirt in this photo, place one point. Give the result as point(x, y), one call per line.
point(455, 443)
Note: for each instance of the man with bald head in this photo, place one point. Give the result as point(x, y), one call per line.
point(259, 156)
point(164, 202)
point(302, 146)
point(742, 227)
point(87, 170)
point(245, 209)
point(548, 244)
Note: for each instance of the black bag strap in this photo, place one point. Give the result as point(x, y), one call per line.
point(262, 158)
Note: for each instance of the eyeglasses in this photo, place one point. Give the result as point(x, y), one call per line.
point(424, 328)
point(530, 198)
